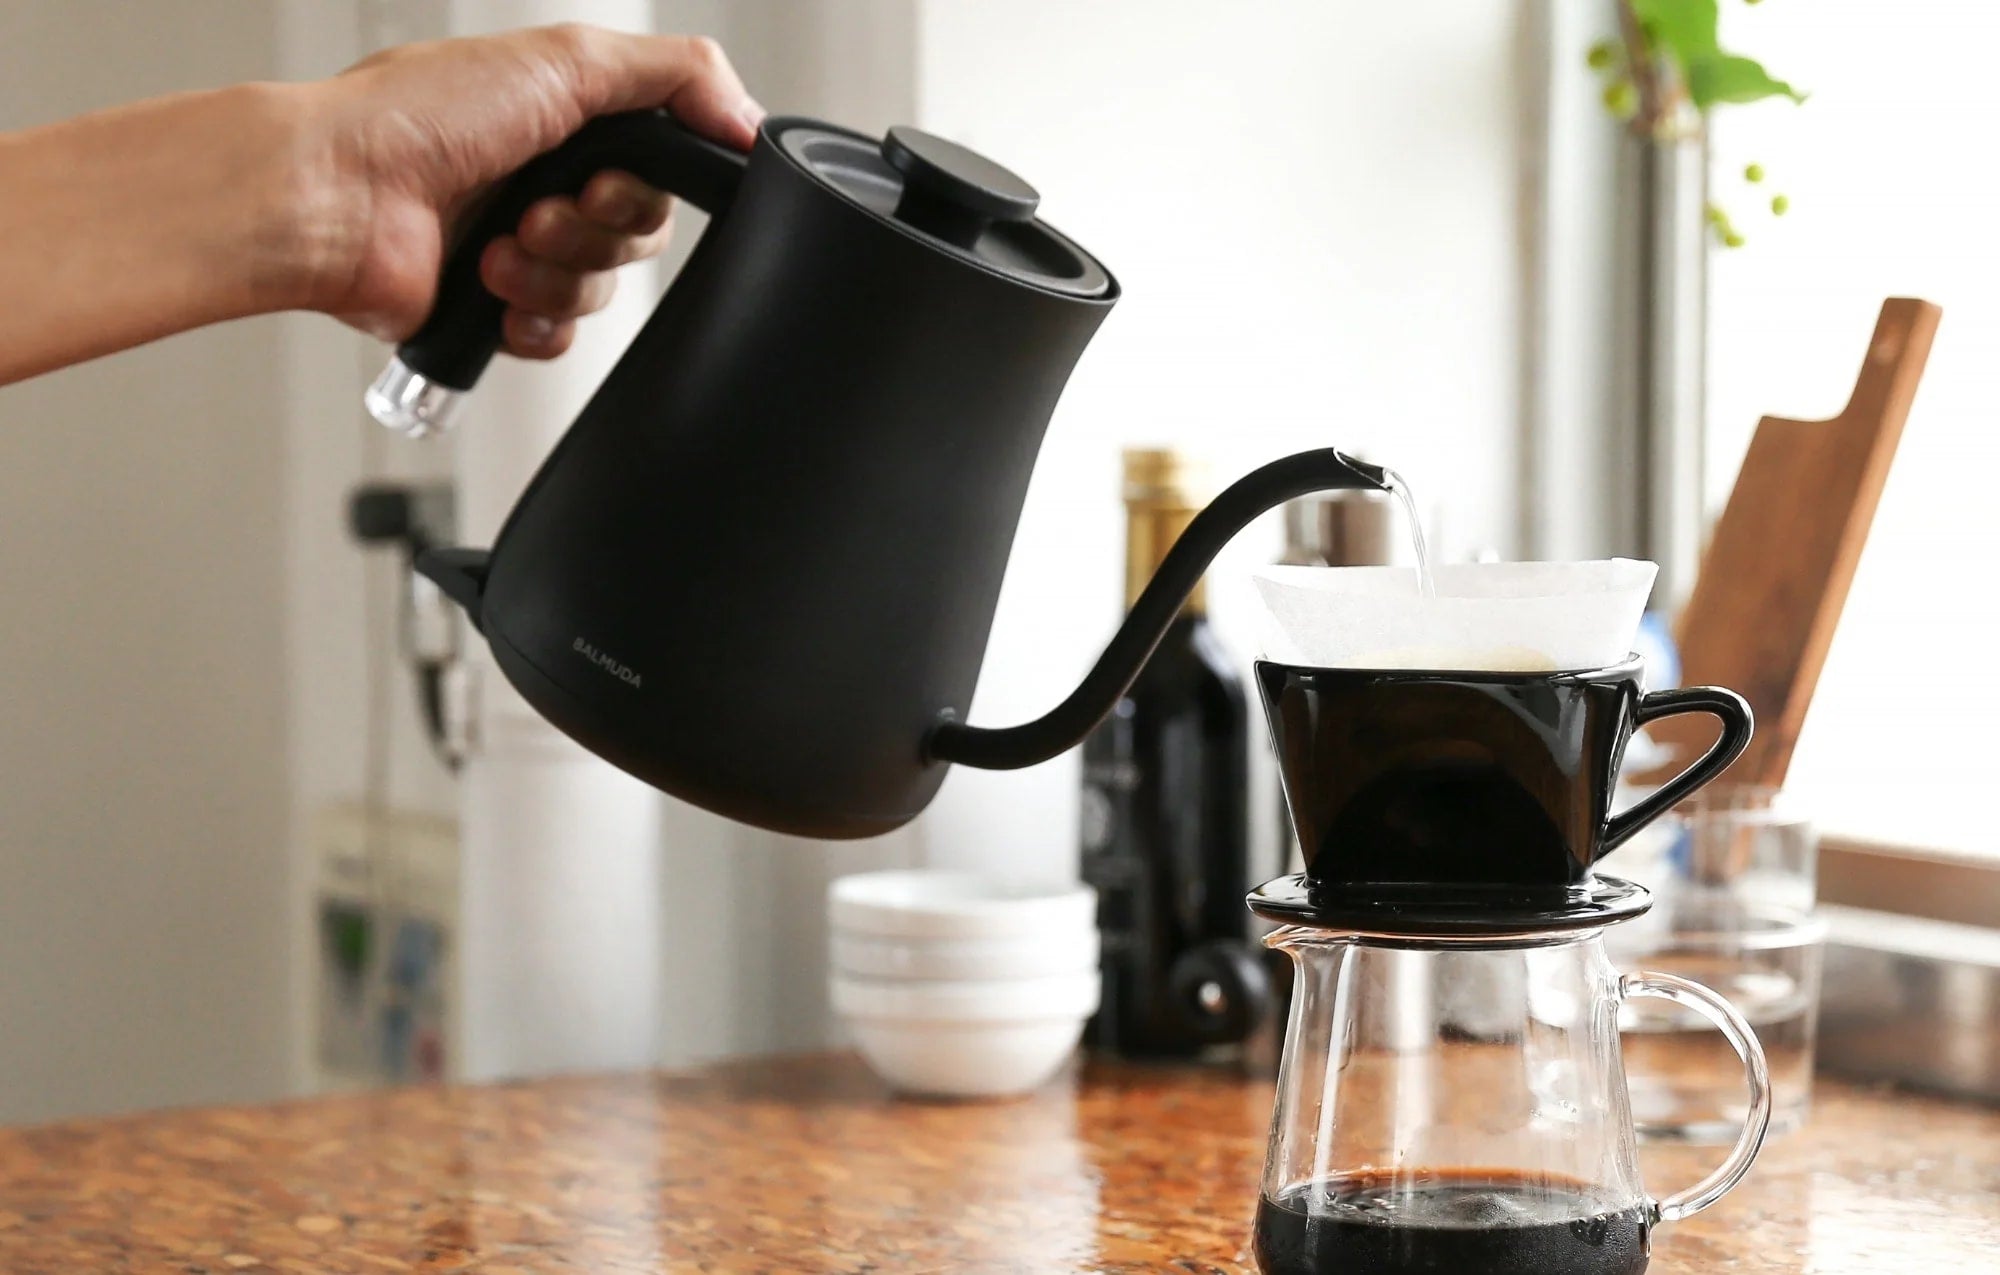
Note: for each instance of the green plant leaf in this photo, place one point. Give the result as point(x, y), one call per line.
point(1725, 77)
point(1682, 29)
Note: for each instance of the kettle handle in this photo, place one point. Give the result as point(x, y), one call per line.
point(1067, 723)
point(456, 342)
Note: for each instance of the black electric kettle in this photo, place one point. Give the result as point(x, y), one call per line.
point(759, 570)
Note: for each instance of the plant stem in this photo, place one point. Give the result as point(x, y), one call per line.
point(1645, 72)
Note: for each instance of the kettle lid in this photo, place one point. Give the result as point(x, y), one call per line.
point(951, 197)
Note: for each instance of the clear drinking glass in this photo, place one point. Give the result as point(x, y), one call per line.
point(1450, 1105)
point(1733, 877)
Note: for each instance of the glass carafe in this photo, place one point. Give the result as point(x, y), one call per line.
point(1457, 1105)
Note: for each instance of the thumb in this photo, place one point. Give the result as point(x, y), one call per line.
point(689, 75)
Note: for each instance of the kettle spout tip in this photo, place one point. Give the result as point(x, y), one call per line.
point(1376, 475)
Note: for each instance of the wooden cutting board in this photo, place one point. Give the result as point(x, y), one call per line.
point(1778, 567)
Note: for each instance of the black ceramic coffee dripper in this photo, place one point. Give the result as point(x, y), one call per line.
point(1468, 803)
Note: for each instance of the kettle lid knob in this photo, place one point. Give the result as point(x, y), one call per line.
point(952, 192)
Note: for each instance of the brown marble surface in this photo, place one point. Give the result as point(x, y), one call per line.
point(808, 1165)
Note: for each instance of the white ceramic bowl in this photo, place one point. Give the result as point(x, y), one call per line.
point(965, 1040)
point(967, 1060)
point(1072, 995)
point(956, 905)
point(944, 960)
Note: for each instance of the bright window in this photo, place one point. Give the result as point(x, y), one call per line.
point(1894, 190)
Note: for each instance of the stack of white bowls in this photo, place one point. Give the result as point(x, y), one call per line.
point(960, 986)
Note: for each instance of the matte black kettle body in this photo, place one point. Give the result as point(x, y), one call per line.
point(759, 570)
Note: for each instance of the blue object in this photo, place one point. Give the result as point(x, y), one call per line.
point(1662, 671)
point(415, 953)
point(1655, 645)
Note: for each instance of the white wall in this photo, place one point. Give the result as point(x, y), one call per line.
point(143, 719)
point(1315, 211)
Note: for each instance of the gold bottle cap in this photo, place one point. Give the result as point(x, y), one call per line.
point(1165, 476)
point(1164, 490)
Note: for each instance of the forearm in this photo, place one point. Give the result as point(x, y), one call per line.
point(338, 196)
point(131, 224)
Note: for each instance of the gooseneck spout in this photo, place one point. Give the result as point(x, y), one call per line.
point(1065, 725)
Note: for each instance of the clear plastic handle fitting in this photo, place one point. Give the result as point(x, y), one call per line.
point(409, 402)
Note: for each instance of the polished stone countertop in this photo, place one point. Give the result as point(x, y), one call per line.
point(808, 1164)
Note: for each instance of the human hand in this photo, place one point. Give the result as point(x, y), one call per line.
point(408, 138)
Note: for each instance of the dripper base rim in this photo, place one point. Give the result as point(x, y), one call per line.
point(1496, 914)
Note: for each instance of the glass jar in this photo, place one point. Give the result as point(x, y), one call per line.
point(1458, 1104)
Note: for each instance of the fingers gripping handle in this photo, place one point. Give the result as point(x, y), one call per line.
point(446, 356)
point(455, 343)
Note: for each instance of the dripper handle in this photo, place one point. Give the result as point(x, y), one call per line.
point(1756, 1075)
point(1731, 709)
point(1064, 726)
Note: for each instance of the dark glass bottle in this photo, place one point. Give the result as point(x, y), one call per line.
point(1165, 836)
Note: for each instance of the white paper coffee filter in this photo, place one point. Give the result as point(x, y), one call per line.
point(1525, 617)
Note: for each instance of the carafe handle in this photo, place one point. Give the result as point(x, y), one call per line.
point(1729, 708)
point(1065, 725)
point(1756, 1075)
point(446, 356)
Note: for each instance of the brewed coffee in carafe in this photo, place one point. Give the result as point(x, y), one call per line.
point(1451, 1095)
point(1485, 1220)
